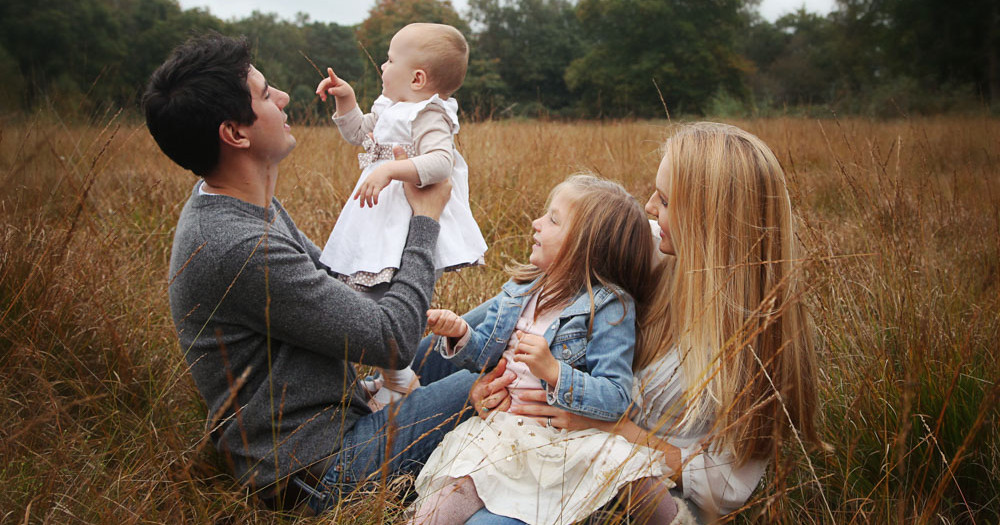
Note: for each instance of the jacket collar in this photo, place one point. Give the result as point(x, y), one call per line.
point(580, 304)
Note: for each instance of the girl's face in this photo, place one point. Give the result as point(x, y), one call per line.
point(657, 206)
point(550, 232)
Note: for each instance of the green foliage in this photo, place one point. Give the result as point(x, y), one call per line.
point(686, 49)
point(532, 42)
point(384, 20)
point(540, 58)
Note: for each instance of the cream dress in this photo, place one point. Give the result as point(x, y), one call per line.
point(527, 471)
point(366, 244)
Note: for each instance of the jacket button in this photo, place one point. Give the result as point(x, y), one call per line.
point(566, 353)
point(568, 397)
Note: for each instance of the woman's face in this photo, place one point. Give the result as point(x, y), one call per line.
point(657, 206)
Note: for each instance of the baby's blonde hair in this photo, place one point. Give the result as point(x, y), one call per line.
point(730, 302)
point(443, 54)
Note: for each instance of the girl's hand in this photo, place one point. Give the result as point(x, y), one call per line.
point(489, 392)
point(536, 407)
point(373, 184)
point(332, 85)
point(448, 324)
point(533, 350)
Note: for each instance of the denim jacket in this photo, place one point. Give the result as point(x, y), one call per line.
point(595, 374)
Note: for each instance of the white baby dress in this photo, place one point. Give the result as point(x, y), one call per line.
point(366, 244)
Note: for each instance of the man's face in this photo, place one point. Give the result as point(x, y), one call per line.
point(270, 136)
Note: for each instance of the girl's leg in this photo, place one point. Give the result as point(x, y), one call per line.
point(485, 517)
point(651, 502)
point(455, 503)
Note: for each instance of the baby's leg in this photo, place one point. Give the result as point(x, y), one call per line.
point(454, 503)
point(651, 501)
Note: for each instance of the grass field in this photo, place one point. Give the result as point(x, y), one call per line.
point(901, 224)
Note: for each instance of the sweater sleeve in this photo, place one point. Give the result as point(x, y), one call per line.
point(434, 144)
point(355, 126)
point(290, 297)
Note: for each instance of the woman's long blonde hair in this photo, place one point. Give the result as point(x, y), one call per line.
point(607, 243)
point(730, 301)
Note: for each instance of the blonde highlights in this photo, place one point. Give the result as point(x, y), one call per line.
point(443, 54)
point(607, 243)
point(730, 301)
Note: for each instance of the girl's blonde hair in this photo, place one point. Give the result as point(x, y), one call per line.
point(607, 242)
point(730, 301)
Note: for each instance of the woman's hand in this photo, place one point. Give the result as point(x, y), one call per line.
point(537, 408)
point(489, 392)
point(559, 418)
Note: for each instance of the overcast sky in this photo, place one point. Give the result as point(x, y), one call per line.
point(348, 12)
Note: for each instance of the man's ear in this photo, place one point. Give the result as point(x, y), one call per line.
point(232, 135)
point(419, 81)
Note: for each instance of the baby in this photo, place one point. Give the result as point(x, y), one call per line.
point(426, 64)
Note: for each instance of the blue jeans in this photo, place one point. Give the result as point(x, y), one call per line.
point(416, 425)
point(400, 436)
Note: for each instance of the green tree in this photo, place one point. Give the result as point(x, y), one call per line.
point(950, 44)
point(384, 20)
point(687, 47)
point(66, 50)
point(532, 42)
point(794, 59)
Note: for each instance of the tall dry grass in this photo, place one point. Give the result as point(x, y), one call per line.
point(901, 225)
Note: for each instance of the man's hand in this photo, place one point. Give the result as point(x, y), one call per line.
point(428, 201)
point(342, 92)
point(533, 350)
point(374, 183)
point(446, 323)
point(489, 392)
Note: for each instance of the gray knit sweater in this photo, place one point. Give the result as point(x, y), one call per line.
point(256, 312)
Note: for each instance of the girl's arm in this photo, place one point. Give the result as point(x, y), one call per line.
point(473, 351)
point(605, 391)
point(712, 480)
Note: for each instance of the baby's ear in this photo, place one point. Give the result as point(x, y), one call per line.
point(419, 81)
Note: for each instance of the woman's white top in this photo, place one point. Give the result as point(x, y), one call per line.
point(710, 478)
point(370, 240)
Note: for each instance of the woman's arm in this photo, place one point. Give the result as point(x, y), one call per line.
point(560, 418)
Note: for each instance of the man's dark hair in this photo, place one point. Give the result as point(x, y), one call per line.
point(201, 85)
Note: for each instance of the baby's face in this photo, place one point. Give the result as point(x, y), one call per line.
point(399, 70)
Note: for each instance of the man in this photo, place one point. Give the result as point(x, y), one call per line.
point(269, 334)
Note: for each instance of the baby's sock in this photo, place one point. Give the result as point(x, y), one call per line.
point(395, 385)
point(402, 381)
point(454, 503)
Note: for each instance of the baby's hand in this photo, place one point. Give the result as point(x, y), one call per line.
point(446, 323)
point(373, 184)
point(332, 85)
point(533, 350)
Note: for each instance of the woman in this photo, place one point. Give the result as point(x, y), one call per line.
point(725, 369)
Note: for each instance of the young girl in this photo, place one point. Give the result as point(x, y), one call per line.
point(566, 325)
point(426, 64)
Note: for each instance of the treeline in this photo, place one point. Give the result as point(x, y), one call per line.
point(590, 58)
